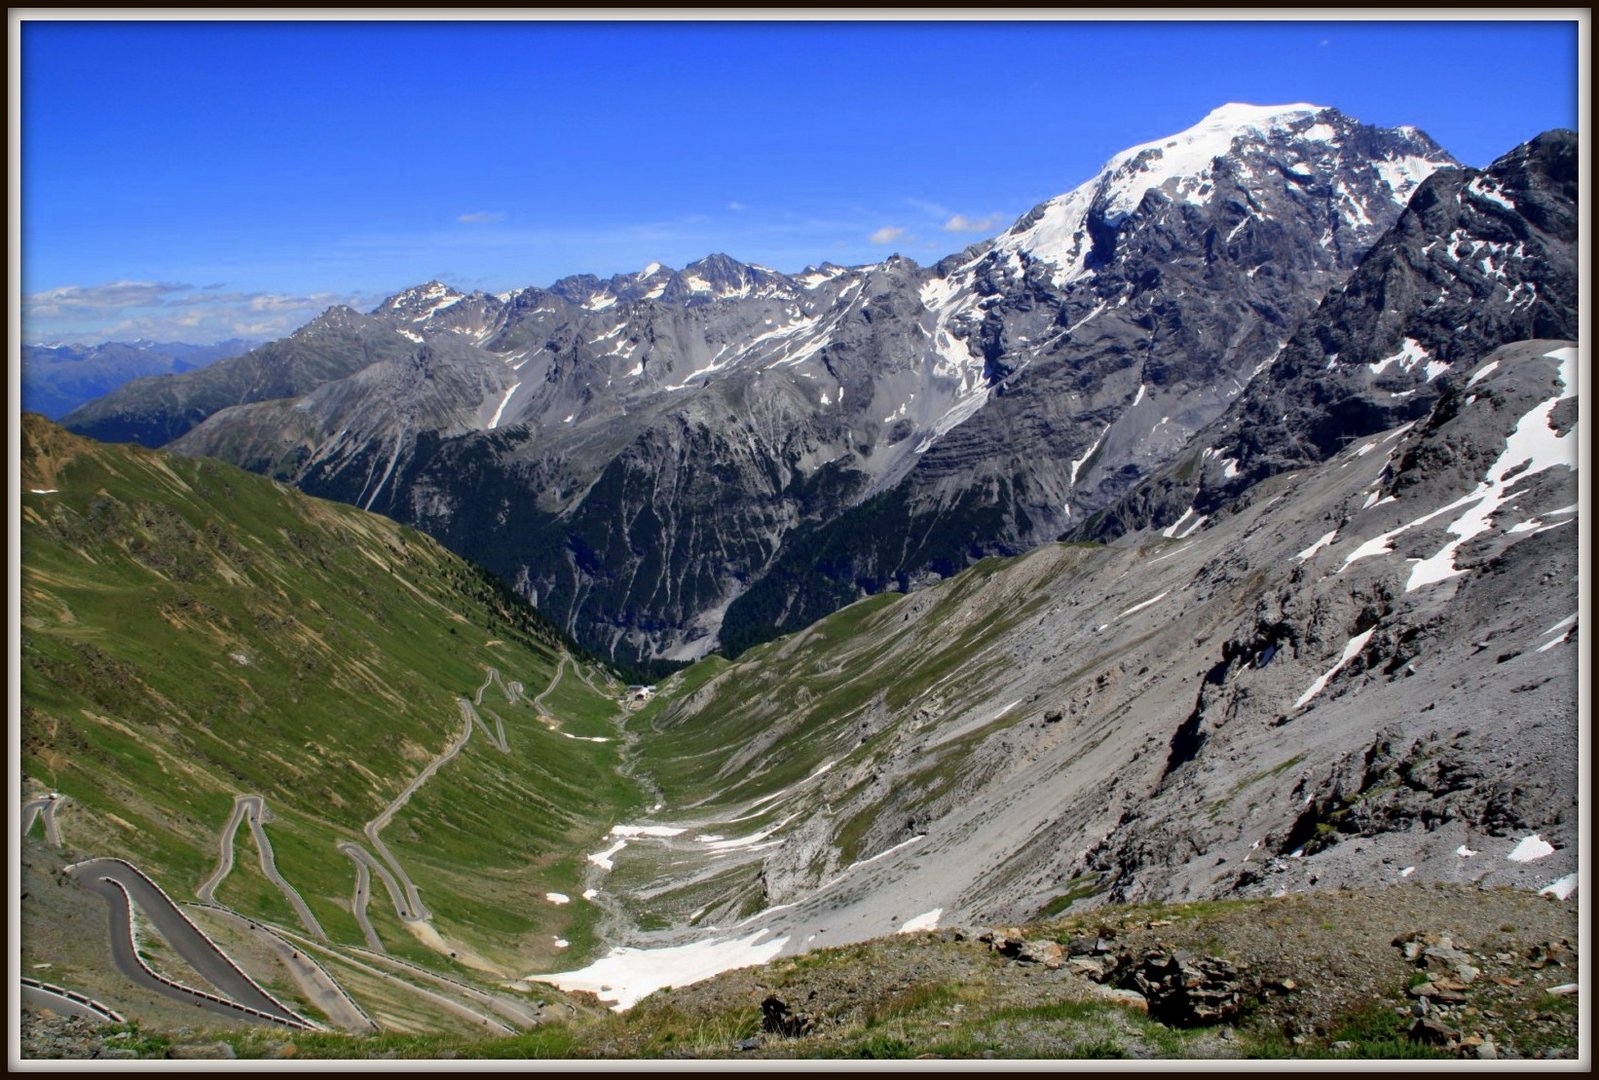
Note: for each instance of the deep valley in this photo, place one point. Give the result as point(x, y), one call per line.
point(1152, 632)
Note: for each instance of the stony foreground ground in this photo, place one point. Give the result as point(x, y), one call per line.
point(1399, 971)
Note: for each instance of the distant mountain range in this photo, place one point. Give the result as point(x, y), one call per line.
point(58, 378)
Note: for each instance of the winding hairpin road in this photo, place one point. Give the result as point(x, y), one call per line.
point(122, 886)
point(253, 808)
point(515, 1011)
point(450, 1004)
point(402, 891)
point(33, 808)
point(64, 1002)
point(560, 669)
point(365, 867)
point(413, 909)
point(513, 693)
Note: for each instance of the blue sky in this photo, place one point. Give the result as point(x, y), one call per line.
point(195, 181)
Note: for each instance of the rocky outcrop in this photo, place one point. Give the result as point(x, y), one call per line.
point(1184, 990)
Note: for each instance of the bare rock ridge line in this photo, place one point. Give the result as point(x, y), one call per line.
point(122, 886)
point(797, 441)
point(1188, 718)
point(253, 808)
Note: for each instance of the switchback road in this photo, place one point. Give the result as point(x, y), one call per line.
point(122, 886)
point(253, 809)
point(319, 987)
point(47, 806)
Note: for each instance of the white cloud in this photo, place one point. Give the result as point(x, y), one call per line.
point(163, 311)
point(279, 302)
point(964, 224)
point(109, 297)
point(736, 206)
point(886, 235)
point(480, 217)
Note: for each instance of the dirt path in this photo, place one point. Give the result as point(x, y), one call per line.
point(253, 808)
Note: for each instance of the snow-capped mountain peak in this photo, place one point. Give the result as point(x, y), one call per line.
point(1188, 154)
point(1302, 142)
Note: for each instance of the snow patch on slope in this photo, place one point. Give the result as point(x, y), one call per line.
point(626, 975)
point(1351, 650)
point(494, 421)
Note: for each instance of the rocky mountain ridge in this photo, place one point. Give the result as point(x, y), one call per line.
point(1326, 638)
point(1155, 720)
point(850, 430)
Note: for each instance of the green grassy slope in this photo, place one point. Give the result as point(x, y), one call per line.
point(192, 632)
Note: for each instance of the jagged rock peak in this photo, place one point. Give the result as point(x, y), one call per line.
point(337, 317)
point(419, 302)
point(1478, 260)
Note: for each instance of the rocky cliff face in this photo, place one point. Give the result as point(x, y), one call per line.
point(850, 430)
